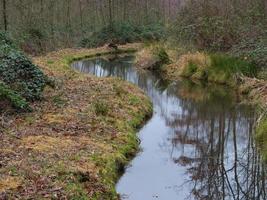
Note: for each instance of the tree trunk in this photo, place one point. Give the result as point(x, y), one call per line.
point(5, 15)
point(81, 15)
point(110, 13)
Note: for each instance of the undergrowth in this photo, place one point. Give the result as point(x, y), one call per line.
point(18, 102)
point(20, 78)
point(123, 33)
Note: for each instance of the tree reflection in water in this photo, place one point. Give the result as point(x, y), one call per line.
point(224, 163)
point(210, 134)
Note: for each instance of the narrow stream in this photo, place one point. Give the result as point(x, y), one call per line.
point(198, 144)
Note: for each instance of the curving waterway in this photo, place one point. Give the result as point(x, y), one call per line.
point(198, 145)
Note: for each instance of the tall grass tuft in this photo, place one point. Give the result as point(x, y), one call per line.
point(232, 65)
point(215, 67)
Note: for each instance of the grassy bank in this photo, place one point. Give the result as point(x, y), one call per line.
point(217, 68)
point(77, 138)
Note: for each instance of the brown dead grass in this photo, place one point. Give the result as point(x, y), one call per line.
point(177, 68)
point(256, 89)
point(46, 144)
point(200, 59)
point(145, 58)
point(9, 183)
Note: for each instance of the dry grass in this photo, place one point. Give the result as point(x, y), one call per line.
point(179, 67)
point(46, 144)
point(256, 89)
point(9, 183)
point(145, 58)
point(64, 149)
point(217, 68)
point(200, 59)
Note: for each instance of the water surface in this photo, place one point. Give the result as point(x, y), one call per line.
point(198, 144)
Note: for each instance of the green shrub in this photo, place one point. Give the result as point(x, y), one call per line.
point(160, 57)
point(5, 40)
point(122, 33)
point(18, 72)
point(163, 56)
point(6, 94)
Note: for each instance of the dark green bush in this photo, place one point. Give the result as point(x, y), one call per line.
point(122, 33)
point(5, 40)
point(163, 56)
point(6, 94)
point(18, 72)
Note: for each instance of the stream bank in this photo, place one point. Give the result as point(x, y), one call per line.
point(198, 144)
point(77, 138)
point(236, 73)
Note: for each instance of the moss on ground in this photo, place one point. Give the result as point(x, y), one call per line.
point(67, 148)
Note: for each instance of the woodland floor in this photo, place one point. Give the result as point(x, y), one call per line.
point(77, 138)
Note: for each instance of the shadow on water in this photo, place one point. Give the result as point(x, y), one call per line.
point(198, 144)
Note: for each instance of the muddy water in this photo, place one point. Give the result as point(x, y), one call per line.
point(198, 144)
